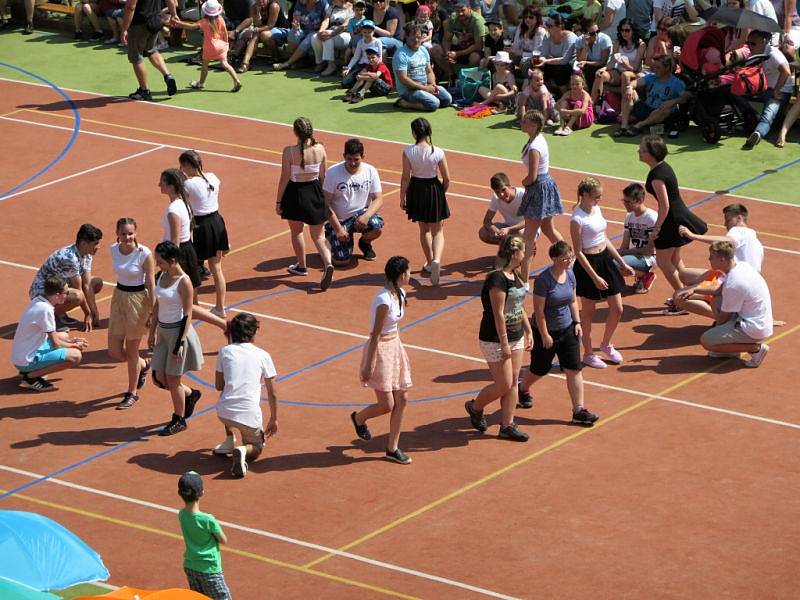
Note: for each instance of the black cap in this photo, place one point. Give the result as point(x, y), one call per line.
point(190, 486)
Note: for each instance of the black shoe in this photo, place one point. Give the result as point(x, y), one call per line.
point(191, 401)
point(525, 398)
point(398, 456)
point(4, 24)
point(143, 375)
point(37, 384)
point(128, 400)
point(204, 272)
point(366, 249)
point(327, 278)
point(78, 35)
point(28, 29)
point(476, 417)
point(511, 432)
point(141, 94)
point(67, 321)
point(172, 85)
point(61, 327)
point(583, 417)
point(97, 35)
point(177, 425)
point(362, 431)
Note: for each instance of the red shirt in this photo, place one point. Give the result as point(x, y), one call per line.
point(384, 71)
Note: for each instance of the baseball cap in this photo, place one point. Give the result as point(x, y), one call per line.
point(371, 50)
point(366, 23)
point(190, 485)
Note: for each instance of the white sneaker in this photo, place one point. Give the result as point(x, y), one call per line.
point(225, 448)
point(435, 272)
point(239, 468)
point(757, 358)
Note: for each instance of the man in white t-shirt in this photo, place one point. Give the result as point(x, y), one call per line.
point(241, 368)
point(637, 248)
point(353, 195)
point(39, 349)
point(613, 12)
point(505, 200)
point(744, 318)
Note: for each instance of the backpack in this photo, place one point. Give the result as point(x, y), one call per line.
point(749, 81)
point(470, 80)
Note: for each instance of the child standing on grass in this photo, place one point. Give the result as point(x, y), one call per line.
point(375, 77)
point(215, 42)
point(202, 535)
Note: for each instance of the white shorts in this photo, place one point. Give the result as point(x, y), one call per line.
point(492, 351)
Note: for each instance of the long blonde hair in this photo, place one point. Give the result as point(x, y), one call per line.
point(509, 245)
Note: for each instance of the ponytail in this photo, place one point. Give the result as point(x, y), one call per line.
point(422, 131)
point(304, 131)
point(174, 178)
point(192, 158)
point(395, 267)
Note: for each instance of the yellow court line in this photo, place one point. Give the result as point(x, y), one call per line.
point(530, 457)
point(13, 112)
point(266, 559)
point(257, 242)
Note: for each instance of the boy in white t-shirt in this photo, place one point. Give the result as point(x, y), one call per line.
point(241, 367)
point(505, 200)
point(637, 248)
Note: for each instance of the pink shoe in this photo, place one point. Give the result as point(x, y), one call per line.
point(592, 360)
point(611, 353)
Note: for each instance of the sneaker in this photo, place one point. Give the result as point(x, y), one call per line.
point(398, 456)
point(645, 283)
point(37, 384)
point(753, 140)
point(177, 425)
point(476, 417)
point(327, 278)
point(112, 41)
point(673, 134)
point(674, 311)
point(594, 361)
point(191, 401)
point(172, 85)
point(296, 269)
point(525, 398)
point(426, 269)
point(67, 321)
point(128, 400)
point(239, 468)
point(28, 29)
point(511, 432)
point(366, 249)
point(141, 94)
point(143, 375)
point(583, 417)
point(362, 431)
point(435, 272)
point(78, 36)
point(225, 448)
point(724, 355)
point(757, 358)
point(611, 353)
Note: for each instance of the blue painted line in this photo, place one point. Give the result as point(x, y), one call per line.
point(72, 138)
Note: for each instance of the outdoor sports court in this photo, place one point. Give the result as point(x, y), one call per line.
point(686, 487)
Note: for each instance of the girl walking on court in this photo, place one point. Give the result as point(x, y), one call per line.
point(384, 365)
point(301, 200)
point(178, 224)
point(422, 195)
point(597, 273)
point(504, 333)
point(542, 200)
point(131, 306)
point(215, 42)
point(210, 237)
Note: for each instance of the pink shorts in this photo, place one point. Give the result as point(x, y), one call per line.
point(392, 370)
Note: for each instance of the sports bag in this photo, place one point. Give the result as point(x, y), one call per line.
point(749, 81)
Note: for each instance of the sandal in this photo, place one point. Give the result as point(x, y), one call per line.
point(621, 132)
point(196, 85)
point(280, 66)
point(780, 143)
point(632, 131)
point(143, 375)
point(243, 68)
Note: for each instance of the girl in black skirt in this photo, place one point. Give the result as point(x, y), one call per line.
point(422, 194)
point(210, 237)
point(300, 198)
point(596, 273)
point(672, 212)
point(178, 224)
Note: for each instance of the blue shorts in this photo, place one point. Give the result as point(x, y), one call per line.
point(45, 356)
point(639, 263)
point(283, 35)
point(343, 250)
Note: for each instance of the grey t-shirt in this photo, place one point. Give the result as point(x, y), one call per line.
point(558, 297)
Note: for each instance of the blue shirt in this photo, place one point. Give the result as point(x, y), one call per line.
point(414, 63)
point(603, 42)
point(659, 91)
point(558, 298)
point(310, 20)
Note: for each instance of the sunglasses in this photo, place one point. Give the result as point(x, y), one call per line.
point(591, 33)
point(626, 30)
point(751, 44)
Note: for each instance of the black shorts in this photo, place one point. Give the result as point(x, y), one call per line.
point(559, 74)
point(641, 110)
point(566, 345)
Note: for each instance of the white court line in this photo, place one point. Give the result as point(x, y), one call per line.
point(377, 139)
point(84, 172)
point(267, 534)
point(784, 250)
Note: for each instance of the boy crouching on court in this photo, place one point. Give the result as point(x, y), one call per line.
point(241, 367)
point(202, 535)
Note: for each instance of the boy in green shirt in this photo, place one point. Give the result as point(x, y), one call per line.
point(202, 535)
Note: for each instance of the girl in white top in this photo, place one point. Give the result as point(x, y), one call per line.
point(178, 222)
point(422, 195)
point(210, 239)
point(625, 62)
point(131, 306)
point(542, 200)
point(596, 271)
point(301, 200)
point(384, 365)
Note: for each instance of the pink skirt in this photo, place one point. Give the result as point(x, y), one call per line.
point(587, 118)
point(392, 370)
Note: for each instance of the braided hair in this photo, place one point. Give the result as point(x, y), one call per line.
point(192, 159)
point(174, 178)
point(537, 118)
point(126, 221)
point(422, 131)
point(304, 131)
point(395, 267)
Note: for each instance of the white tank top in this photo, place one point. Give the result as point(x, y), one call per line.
point(203, 200)
point(593, 226)
point(307, 173)
point(629, 53)
point(178, 207)
point(424, 160)
point(170, 305)
point(129, 267)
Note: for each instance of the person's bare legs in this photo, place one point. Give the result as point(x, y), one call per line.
point(396, 420)
point(437, 240)
point(220, 286)
point(318, 237)
point(177, 391)
point(575, 388)
point(665, 261)
point(531, 229)
point(122, 349)
point(614, 315)
point(426, 241)
point(296, 229)
point(384, 405)
point(587, 314)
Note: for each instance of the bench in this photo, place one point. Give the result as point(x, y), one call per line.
point(63, 9)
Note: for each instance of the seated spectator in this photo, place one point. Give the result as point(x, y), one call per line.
point(413, 74)
point(558, 53)
point(528, 38)
point(332, 36)
point(91, 9)
point(238, 15)
point(73, 264)
point(505, 200)
point(387, 21)
point(575, 108)
point(683, 18)
point(29, 6)
point(353, 196)
point(613, 13)
point(438, 17)
point(462, 43)
point(766, 9)
point(423, 19)
point(593, 49)
point(488, 9)
point(306, 19)
point(637, 248)
point(536, 96)
point(788, 121)
point(375, 77)
point(660, 43)
point(359, 60)
point(663, 92)
point(38, 348)
point(625, 64)
point(493, 42)
point(267, 15)
point(744, 317)
point(790, 20)
point(504, 86)
point(113, 11)
point(779, 87)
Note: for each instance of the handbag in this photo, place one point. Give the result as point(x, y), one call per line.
point(749, 81)
point(470, 80)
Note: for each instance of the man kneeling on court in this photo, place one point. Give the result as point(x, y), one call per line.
point(505, 200)
point(39, 349)
point(353, 196)
point(744, 317)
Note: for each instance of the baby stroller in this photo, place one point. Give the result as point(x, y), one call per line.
point(708, 79)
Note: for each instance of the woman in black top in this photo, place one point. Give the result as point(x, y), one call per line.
point(504, 333)
point(672, 212)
